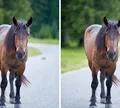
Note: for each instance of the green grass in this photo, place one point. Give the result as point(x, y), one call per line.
point(72, 59)
point(33, 52)
point(43, 41)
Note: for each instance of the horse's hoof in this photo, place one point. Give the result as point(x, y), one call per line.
point(108, 105)
point(93, 106)
point(17, 106)
point(12, 100)
point(2, 106)
point(103, 100)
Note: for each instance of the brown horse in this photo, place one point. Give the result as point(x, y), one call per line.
point(101, 47)
point(13, 57)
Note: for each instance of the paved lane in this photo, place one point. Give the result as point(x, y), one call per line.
point(76, 90)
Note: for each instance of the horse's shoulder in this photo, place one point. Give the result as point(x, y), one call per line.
point(3, 31)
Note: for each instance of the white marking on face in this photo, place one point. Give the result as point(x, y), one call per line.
point(108, 49)
point(24, 49)
point(17, 49)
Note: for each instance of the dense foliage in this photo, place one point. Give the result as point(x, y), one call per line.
point(44, 12)
point(46, 15)
point(77, 15)
point(18, 8)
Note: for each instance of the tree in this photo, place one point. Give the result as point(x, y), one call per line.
point(19, 8)
point(77, 15)
point(45, 13)
point(1, 12)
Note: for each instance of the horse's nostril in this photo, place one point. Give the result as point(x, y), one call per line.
point(111, 55)
point(20, 54)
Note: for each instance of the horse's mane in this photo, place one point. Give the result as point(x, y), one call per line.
point(100, 39)
point(10, 37)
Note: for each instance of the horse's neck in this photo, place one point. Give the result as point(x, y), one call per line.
point(100, 38)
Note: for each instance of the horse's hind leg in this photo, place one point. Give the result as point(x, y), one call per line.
point(3, 87)
point(108, 97)
point(102, 78)
point(11, 80)
point(94, 85)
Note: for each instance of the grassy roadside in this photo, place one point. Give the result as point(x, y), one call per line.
point(72, 59)
point(33, 51)
point(43, 41)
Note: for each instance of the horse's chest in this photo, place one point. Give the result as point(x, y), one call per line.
point(14, 62)
point(104, 62)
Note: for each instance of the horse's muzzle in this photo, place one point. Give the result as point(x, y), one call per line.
point(111, 54)
point(20, 54)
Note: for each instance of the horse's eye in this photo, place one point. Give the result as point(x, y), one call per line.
point(106, 31)
point(18, 28)
point(15, 33)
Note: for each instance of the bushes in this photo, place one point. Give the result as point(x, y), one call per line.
point(46, 31)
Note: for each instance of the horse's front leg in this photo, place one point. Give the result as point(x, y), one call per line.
point(18, 86)
point(3, 87)
point(108, 97)
point(94, 85)
point(102, 78)
point(12, 93)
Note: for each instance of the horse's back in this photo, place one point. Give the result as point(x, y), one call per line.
point(3, 31)
point(89, 39)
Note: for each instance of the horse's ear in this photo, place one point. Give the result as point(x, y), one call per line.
point(29, 22)
point(15, 21)
point(105, 21)
point(118, 24)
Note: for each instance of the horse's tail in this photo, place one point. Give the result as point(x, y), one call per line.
point(115, 80)
point(25, 81)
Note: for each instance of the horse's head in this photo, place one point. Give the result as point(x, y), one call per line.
point(111, 37)
point(21, 36)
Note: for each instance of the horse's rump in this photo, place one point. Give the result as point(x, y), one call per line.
point(3, 31)
point(4, 28)
point(89, 39)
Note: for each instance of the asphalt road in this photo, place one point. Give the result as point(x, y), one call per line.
point(76, 90)
point(43, 73)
